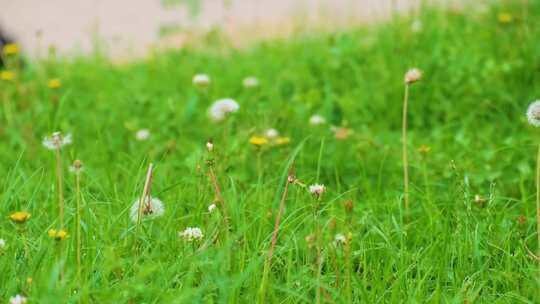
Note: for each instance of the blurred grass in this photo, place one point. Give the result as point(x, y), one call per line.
point(480, 75)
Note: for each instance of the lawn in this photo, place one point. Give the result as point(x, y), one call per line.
point(468, 236)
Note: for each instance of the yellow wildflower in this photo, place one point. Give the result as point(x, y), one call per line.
point(424, 149)
point(505, 18)
point(258, 141)
point(283, 140)
point(54, 84)
point(20, 216)
point(10, 49)
point(7, 75)
point(57, 234)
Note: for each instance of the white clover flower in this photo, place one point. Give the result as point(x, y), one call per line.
point(18, 299)
point(56, 141)
point(271, 133)
point(250, 82)
point(316, 120)
point(220, 108)
point(142, 134)
point(212, 207)
point(2, 243)
point(416, 26)
point(340, 238)
point(191, 234)
point(533, 113)
point(152, 207)
point(201, 80)
point(413, 75)
point(317, 189)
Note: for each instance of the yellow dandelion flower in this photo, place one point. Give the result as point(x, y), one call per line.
point(258, 141)
point(54, 83)
point(283, 140)
point(57, 234)
point(20, 216)
point(424, 149)
point(52, 233)
point(10, 49)
point(7, 75)
point(505, 18)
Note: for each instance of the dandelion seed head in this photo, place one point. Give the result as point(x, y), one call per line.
point(212, 207)
point(210, 146)
point(18, 299)
point(340, 238)
point(56, 141)
point(316, 120)
point(151, 208)
point(533, 113)
point(191, 234)
point(250, 82)
point(142, 135)
point(271, 133)
point(413, 75)
point(317, 189)
point(2, 243)
point(221, 108)
point(201, 80)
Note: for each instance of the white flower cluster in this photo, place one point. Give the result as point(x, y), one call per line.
point(191, 234)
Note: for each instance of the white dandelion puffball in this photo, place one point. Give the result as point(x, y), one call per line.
point(201, 80)
point(209, 146)
point(317, 189)
point(191, 234)
point(151, 208)
point(142, 135)
point(2, 243)
point(18, 299)
point(533, 113)
point(212, 207)
point(316, 120)
point(250, 82)
point(271, 133)
point(413, 75)
point(340, 238)
point(56, 141)
point(220, 108)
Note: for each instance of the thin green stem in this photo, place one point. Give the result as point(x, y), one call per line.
point(404, 151)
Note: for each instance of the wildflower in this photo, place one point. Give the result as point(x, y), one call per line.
point(413, 75)
point(341, 133)
point(317, 189)
point(250, 82)
point(10, 49)
point(209, 146)
point(201, 80)
point(258, 141)
point(142, 134)
point(340, 239)
point(416, 26)
point(479, 200)
point(348, 204)
point(29, 280)
point(191, 234)
point(20, 216)
point(18, 299)
point(76, 167)
point(315, 120)
point(56, 141)
point(220, 108)
point(271, 133)
point(152, 208)
point(212, 207)
point(283, 140)
point(2, 244)
point(7, 75)
point(58, 235)
point(54, 83)
point(533, 113)
point(424, 149)
point(505, 18)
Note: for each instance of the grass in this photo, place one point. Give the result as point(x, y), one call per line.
point(479, 76)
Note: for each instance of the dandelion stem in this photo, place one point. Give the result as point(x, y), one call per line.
point(218, 194)
point(538, 205)
point(318, 245)
point(404, 150)
point(60, 186)
point(79, 241)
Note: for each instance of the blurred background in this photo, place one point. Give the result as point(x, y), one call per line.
point(128, 28)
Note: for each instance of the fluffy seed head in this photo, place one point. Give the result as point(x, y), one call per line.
point(271, 133)
point(317, 189)
point(533, 113)
point(142, 135)
point(340, 238)
point(151, 208)
point(212, 207)
point(2, 243)
point(413, 75)
point(221, 108)
point(201, 80)
point(315, 120)
point(56, 141)
point(191, 234)
point(18, 299)
point(250, 82)
point(209, 146)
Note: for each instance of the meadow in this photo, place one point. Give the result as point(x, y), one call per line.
point(469, 235)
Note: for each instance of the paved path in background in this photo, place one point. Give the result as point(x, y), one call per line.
point(130, 27)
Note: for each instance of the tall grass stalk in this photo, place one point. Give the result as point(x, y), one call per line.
point(404, 150)
point(77, 168)
point(145, 195)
